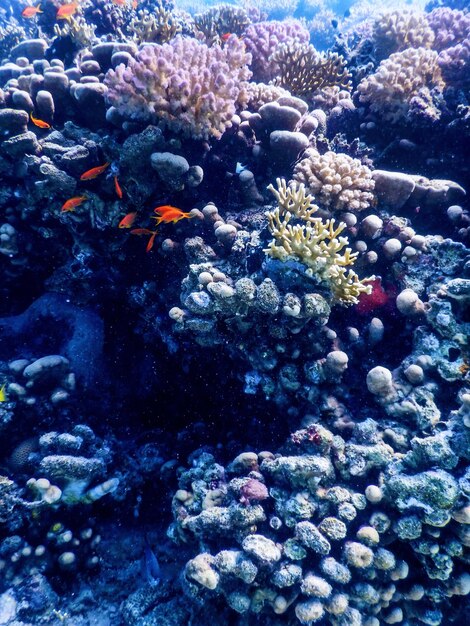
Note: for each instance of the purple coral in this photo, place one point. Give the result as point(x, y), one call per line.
point(253, 490)
point(450, 27)
point(193, 89)
point(262, 40)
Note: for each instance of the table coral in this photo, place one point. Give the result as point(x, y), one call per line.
point(192, 88)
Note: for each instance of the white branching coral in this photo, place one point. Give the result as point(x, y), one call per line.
point(316, 243)
point(338, 181)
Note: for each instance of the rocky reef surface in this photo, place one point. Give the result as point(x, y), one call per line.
point(234, 313)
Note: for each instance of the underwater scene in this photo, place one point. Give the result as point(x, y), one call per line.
point(234, 313)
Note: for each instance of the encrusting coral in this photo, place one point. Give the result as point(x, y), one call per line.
point(304, 70)
point(338, 182)
point(192, 88)
point(316, 243)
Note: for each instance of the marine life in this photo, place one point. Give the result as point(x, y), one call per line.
point(117, 188)
point(31, 11)
point(94, 172)
point(264, 418)
point(66, 11)
point(39, 123)
point(146, 231)
point(72, 203)
point(169, 214)
point(150, 567)
point(128, 220)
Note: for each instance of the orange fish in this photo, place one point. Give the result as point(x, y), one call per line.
point(39, 123)
point(66, 11)
point(30, 11)
point(72, 203)
point(117, 187)
point(146, 231)
point(225, 36)
point(170, 214)
point(128, 220)
point(94, 172)
point(134, 4)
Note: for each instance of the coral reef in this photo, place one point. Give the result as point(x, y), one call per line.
point(194, 89)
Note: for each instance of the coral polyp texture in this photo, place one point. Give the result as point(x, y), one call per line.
point(337, 181)
point(193, 89)
point(234, 313)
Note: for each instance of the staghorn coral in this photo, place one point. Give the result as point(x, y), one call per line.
point(404, 75)
point(262, 40)
point(157, 27)
point(337, 181)
point(316, 243)
point(304, 71)
point(397, 30)
point(191, 88)
point(220, 20)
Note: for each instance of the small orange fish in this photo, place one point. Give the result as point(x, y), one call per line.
point(146, 231)
point(128, 220)
point(39, 123)
point(120, 3)
point(170, 214)
point(134, 4)
point(72, 203)
point(30, 11)
point(225, 36)
point(66, 11)
point(94, 172)
point(117, 187)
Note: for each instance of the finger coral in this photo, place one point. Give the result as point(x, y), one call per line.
point(191, 88)
point(338, 181)
point(316, 243)
point(400, 78)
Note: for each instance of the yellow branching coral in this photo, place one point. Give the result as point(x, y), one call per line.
point(316, 243)
point(304, 70)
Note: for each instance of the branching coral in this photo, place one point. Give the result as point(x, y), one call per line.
point(304, 71)
point(78, 29)
point(10, 36)
point(316, 243)
point(398, 79)
point(450, 27)
point(262, 40)
point(338, 181)
point(190, 87)
point(398, 30)
point(158, 27)
point(220, 20)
